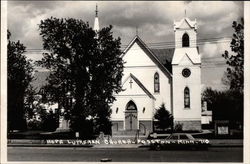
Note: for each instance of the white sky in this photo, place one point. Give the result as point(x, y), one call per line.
point(153, 19)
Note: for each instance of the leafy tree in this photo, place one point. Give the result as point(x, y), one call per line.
point(19, 77)
point(85, 66)
point(235, 71)
point(225, 105)
point(49, 120)
point(164, 117)
point(29, 100)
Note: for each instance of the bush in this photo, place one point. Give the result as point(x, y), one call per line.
point(178, 127)
point(165, 119)
point(34, 124)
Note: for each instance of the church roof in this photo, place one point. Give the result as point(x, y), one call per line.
point(142, 86)
point(156, 56)
point(165, 56)
point(191, 53)
point(192, 24)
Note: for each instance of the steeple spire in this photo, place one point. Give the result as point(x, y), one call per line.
point(96, 11)
point(96, 23)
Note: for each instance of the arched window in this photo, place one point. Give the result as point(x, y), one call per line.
point(131, 106)
point(185, 40)
point(186, 98)
point(156, 83)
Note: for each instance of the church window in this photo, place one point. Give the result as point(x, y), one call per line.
point(186, 72)
point(186, 98)
point(131, 106)
point(185, 40)
point(156, 83)
point(117, 109)
point(143, 109)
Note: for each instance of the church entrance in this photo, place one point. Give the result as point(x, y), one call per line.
point(131, 116)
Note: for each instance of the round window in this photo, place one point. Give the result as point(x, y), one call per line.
point(186, 72)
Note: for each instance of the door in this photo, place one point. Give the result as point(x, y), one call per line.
point(131, 116)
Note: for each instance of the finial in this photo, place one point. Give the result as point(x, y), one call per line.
point(136, 30)
point(185, 13)
point(96, 11)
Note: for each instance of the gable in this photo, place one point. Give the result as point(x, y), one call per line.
point(136, 56)
point(191, 53)
point(185, 60)
point(133, 86)
point(136, 49)
point(184, 25)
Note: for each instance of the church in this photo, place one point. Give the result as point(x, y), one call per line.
point(153, 77)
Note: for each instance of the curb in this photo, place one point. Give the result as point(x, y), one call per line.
point(226, 145)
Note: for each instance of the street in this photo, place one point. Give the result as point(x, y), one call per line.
point(214, 154)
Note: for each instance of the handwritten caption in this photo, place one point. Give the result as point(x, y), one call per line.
point(127, 141)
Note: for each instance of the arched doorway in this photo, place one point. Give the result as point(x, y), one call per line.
point(131, 116)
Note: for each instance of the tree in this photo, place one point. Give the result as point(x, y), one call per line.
point(225, 105)
point(49, 120)
point(235, 71)
point(86, 69)
point(19, 77)
point(164, 117)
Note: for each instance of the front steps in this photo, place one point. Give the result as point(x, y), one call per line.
point(128, 134)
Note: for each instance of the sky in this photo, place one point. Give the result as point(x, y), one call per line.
point(153, 21)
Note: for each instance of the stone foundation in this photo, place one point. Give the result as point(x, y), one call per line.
point(189, 125)
point(145, 126)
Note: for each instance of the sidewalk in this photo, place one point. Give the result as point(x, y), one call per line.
point(226, 142)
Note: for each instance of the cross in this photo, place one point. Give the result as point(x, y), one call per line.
point(186, 5)
point(131, 83)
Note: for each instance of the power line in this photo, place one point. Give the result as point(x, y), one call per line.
point(171, 44)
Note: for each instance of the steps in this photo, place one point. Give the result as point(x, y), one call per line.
point(127, 134)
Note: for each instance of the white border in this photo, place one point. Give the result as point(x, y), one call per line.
point(3, 101)
point(3, 129)
point(246, 156)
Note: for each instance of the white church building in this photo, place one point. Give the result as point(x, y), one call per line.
point(153, 77)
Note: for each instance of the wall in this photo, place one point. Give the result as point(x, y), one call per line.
point(143, 68)
point(193, 82)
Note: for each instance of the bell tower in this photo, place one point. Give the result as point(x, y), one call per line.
point(186, 69)
point(185, 33)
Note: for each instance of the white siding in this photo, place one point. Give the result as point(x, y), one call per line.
point(143, 68)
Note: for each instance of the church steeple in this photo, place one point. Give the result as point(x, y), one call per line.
point(96, 11)
point(96, 23)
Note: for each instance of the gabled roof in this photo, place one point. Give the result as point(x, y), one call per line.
point(142, 86)
point(165, 56)
point(150, 54)
point(192, 24)
point(191, 53)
